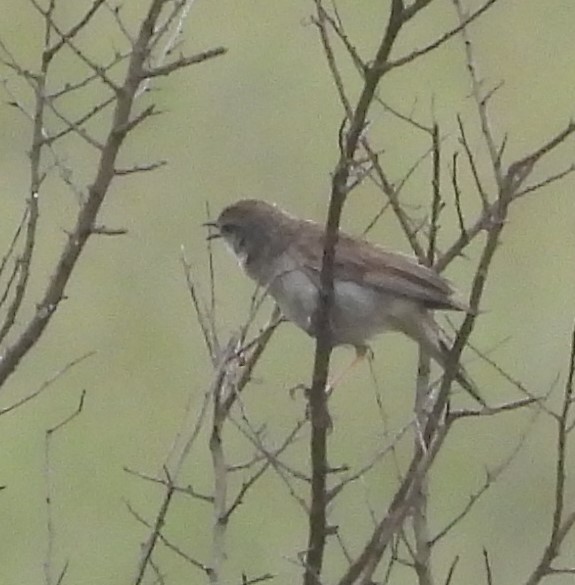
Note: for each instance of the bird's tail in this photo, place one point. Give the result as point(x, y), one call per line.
point(430, 338)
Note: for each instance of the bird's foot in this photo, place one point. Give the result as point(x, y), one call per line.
point(295, 390)
point(325, 419)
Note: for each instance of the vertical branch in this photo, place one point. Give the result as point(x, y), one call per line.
point(48, 471)
point(480, 99)
point(220, 487)
point(561, 523)
point(321, 22)
point(24, 263)
point(317, 396)
point(155, 533)
point(226, 391)
point(422, 552)
point(436, 201)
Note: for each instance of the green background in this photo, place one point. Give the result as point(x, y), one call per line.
point(262, 122)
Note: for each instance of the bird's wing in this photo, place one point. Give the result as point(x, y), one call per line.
point(371, 265)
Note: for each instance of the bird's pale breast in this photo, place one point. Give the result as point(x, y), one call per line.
point(359, 313)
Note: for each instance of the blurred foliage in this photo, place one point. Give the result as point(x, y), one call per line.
point(262, 121)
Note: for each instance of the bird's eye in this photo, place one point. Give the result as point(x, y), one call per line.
point(227, 229)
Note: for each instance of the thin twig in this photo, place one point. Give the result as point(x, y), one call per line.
point(48, 474)
point(47, 384)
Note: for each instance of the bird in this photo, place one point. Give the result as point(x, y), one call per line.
point(375, 289)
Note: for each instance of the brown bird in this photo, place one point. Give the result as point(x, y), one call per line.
point(375, 290)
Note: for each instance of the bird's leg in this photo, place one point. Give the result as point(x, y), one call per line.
point(361, 351)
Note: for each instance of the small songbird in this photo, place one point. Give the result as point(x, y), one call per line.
point(375, 290)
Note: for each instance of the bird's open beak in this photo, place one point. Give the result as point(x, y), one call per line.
point(212, 224)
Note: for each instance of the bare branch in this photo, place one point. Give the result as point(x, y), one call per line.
point(48, 474)
point(561, 523)
point(270, 458)
point(441, 40)
point(76, 125)
point(480, 100)
point(393, 198)
point(67, 40)
point(69, 87)
point(47, 384)
point(546, 182)
point(487, 564)
point(491, 477)
point(156, 535)
point(202, 315)
point(320, 21)
point(67, 36)
point(102, 230)
point(141, 168)
point(437, 203)
point(513, 180)
point(472, 164)
point(182, 62)
point(86, 218)
point(10, 251)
